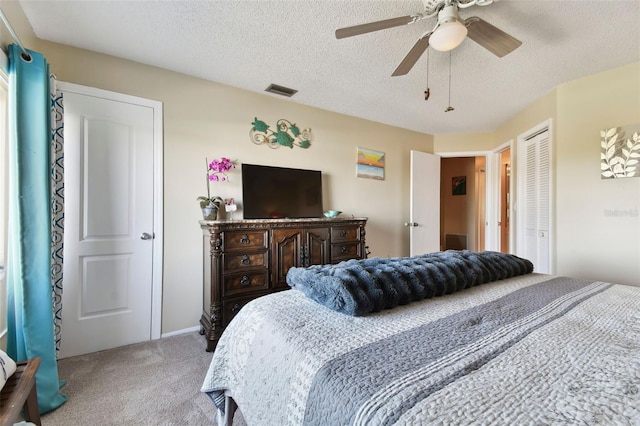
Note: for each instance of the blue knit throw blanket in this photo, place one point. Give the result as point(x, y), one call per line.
point(358, 287)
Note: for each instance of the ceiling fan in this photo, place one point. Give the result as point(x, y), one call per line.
point(447, 34)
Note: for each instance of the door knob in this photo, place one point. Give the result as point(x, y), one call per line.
point(410, 224)
point(145, 236)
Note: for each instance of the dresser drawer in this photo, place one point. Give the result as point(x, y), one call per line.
point(243, 240)
point(233, 262)
point(231, 307)
point(344, 251)
point(245, 283)
point(344, 233)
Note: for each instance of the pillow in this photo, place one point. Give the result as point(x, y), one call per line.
point(358, 287)
point(8, 368)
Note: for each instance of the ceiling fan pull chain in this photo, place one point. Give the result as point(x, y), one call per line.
point(427, 92)
point(449, 108)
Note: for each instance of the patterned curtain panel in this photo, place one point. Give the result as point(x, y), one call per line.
point(57, 205)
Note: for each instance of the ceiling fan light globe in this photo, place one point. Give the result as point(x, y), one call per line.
point(448, 36)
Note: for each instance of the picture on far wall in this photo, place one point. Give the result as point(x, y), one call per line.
point(370, 164)
point(459, 185)
point(620, 152)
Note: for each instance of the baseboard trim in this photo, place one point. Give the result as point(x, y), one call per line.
point(183, 331)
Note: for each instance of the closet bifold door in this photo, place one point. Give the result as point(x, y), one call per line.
point(534, 210)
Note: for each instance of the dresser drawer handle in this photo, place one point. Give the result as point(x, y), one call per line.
point(245, 281)
point(244, 239)
point(344, 250)
point(236, 308)
point(343, 233)
point(245, 260)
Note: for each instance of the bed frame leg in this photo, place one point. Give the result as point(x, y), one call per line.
point(230, 408)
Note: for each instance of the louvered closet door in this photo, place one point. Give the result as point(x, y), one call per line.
point(534, 163)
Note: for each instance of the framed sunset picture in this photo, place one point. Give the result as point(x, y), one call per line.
point(370, 164)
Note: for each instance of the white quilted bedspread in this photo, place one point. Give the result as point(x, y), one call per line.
point(530, 350)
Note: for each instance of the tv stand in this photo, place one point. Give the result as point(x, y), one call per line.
point(246, 259)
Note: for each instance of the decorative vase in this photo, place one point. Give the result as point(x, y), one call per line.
point(210, 212)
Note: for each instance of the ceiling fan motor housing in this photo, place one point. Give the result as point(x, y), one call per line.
point(449, 13)
point(431, 6)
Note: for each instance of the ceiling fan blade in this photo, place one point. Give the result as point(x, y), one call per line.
point(491, 38)
point(412, 57)
point(373, 26)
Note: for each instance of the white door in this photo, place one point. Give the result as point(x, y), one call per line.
point(109, 222)
point(534, 207)
point(424, 225)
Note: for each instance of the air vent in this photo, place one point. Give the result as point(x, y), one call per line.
point(280, 90)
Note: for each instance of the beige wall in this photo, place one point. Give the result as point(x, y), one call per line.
point(205, 119)
point(598, 232)
point(596, 221)
point(463, 142)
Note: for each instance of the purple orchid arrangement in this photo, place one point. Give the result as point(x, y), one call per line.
point(216, 172)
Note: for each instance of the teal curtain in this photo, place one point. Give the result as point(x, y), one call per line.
point(30, 330)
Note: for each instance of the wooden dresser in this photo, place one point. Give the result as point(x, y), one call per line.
point(245, 259)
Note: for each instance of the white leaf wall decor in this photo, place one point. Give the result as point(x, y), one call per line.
point(618, 155)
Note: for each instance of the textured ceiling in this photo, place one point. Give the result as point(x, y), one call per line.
point(251, 44)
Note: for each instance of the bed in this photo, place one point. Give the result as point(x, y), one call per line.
point(484, 347)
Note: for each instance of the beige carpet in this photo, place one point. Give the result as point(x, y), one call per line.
point(151, 383)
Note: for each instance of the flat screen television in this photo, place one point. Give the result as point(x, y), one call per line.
point(277, 192)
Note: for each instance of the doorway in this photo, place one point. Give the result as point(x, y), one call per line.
point(479, 225)
point(463, 203)
point(505, 200)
